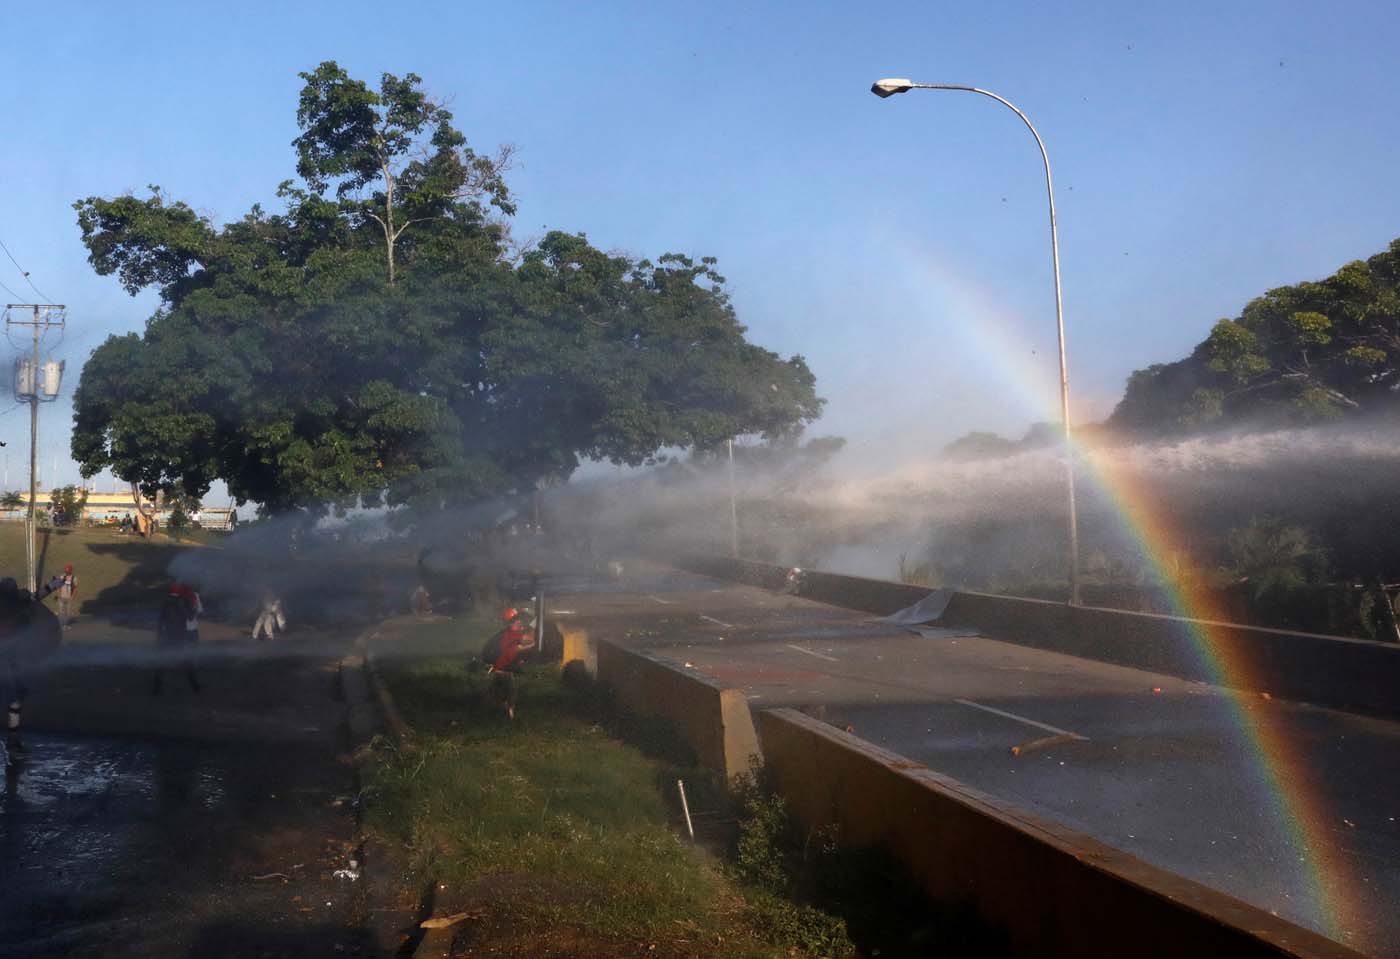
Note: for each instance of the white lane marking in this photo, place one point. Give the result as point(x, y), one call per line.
point(829, 659)
point(717, 622)
point(663, 602)
point(1020, 719)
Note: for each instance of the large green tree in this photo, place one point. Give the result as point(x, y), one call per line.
point(377, 341)
point(1303, 353)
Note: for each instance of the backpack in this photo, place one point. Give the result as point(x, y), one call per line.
point(491, 649)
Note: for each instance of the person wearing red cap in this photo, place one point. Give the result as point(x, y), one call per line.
point(177, 628)
point(510, 645)
point(68, 585)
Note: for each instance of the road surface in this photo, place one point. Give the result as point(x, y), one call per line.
point(191, 824)
point(1147, 763)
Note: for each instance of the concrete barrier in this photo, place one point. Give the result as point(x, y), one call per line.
point(1056, 892)
point(1352, 674)
point(577, 647)
point(713, 720)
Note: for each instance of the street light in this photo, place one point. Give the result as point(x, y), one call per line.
point(733, 505)
point(888, 88)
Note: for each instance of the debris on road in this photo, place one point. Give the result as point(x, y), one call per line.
point(1044, 741)
point(442, 922)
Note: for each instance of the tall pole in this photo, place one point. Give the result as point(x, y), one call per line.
point(41, 321)
point(33, 453)
point(733, 506)
point(885, 88)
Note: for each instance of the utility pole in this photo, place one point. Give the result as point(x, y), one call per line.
point(32, 384)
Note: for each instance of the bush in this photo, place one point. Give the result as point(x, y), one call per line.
point(765, 835)
point(68, 503)
point(179, 521)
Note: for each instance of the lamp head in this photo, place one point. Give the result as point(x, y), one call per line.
point(889, 87)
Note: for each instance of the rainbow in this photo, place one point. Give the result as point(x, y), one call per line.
point(1280, 771)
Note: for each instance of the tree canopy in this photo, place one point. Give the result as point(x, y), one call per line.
point(1304, 353)
point(378, 340)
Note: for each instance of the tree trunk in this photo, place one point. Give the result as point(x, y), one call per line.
point(389, 235)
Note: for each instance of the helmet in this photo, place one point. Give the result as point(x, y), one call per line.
point(68, 568)
point(509, 614)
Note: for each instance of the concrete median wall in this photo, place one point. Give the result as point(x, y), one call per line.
point(1056, 892)
point(713, 720)
point(1351, 674)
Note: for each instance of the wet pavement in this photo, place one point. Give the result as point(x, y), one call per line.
point(185, 824)
point(1150, 764)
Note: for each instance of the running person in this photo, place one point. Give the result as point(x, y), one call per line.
point(515, 640)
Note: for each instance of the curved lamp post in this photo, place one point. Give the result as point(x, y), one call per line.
point(888, 88)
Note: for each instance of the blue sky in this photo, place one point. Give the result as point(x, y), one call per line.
point(1203, 152)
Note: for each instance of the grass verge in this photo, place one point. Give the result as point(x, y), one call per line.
point(552, 835)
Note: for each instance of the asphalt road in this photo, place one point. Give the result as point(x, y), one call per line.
point(1153, 765)
point(187, 824)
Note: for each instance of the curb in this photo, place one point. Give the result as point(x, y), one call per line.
point(369, 668)
point(363, 717)
point(364, 721)
point(370, 709)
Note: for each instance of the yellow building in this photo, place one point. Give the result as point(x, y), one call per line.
point(111, 507)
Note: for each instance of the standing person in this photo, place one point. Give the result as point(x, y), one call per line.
point(178, 628)
point(420, 603)
point(270, 618)
point(510, 645)
point(68, 585)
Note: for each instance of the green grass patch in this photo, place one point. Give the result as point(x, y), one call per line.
point(576, 826)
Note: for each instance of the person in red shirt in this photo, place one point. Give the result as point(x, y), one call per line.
point(515, 640)
point(177, 632)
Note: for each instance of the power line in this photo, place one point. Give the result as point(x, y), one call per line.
point(24, 273)
point(9, 291)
